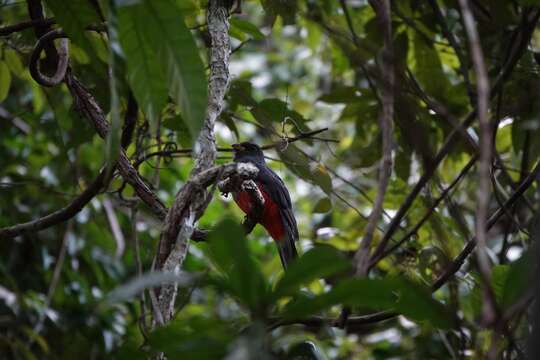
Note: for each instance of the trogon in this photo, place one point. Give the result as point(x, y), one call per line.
point(277, 217)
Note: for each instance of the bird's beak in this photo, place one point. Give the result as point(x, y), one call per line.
point(238, 147)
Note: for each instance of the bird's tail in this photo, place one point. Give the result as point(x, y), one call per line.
point(287, 250)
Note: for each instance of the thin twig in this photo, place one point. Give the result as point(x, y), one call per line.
point(116, 230)
point(516, 51)
point(10, 29)
point(429, 212)
point(471, 244)
point(483, 193)
point(382, 9)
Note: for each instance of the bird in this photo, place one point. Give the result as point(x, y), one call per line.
point(277, 216)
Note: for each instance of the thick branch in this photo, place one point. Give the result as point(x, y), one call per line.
point(87, 106)
point(58, 216)
point(192, 200)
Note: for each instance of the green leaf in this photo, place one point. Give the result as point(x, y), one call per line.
point(240, 93)
point(5, 80)
point(247, 28)
point(268, 112)
point(230, 253)
point(177, 123)
point(145, 70)
point(324, 205)
point(14, 62)
point(74, 16)
point(370, 293)
point(175, 49)
point(428, 69)
point(392, 294)
point(322, 178)
point(319, 262)
point(300, 165)
point(415, 302)
point(518, 280)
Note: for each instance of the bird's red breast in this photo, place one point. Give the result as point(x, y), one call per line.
point(271, 217)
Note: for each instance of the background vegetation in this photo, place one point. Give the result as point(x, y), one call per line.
point(432, 116)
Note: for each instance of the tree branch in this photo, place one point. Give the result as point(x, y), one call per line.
point(43, 42)
point(58, 216)
point(483, 193)
point(428, 213)
point(515, 51)
point(471, 244)
point(87, 106)
point(10, 29)
point(191, 201)
point(382, 9)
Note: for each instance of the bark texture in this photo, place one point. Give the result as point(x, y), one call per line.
point(192, 200)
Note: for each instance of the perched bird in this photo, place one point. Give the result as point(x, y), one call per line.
point(278, 217)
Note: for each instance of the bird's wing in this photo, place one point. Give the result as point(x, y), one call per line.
point(275, 188)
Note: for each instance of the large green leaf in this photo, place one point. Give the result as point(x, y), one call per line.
point(319, 262)
point(415, 302)
point(392, 294)
point(370, 293)
point(74, 16)
point(428, 68)
point(145, 70)
point(230, 253)
point(175, 49)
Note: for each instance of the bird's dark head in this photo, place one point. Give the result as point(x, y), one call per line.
point(248, 152)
